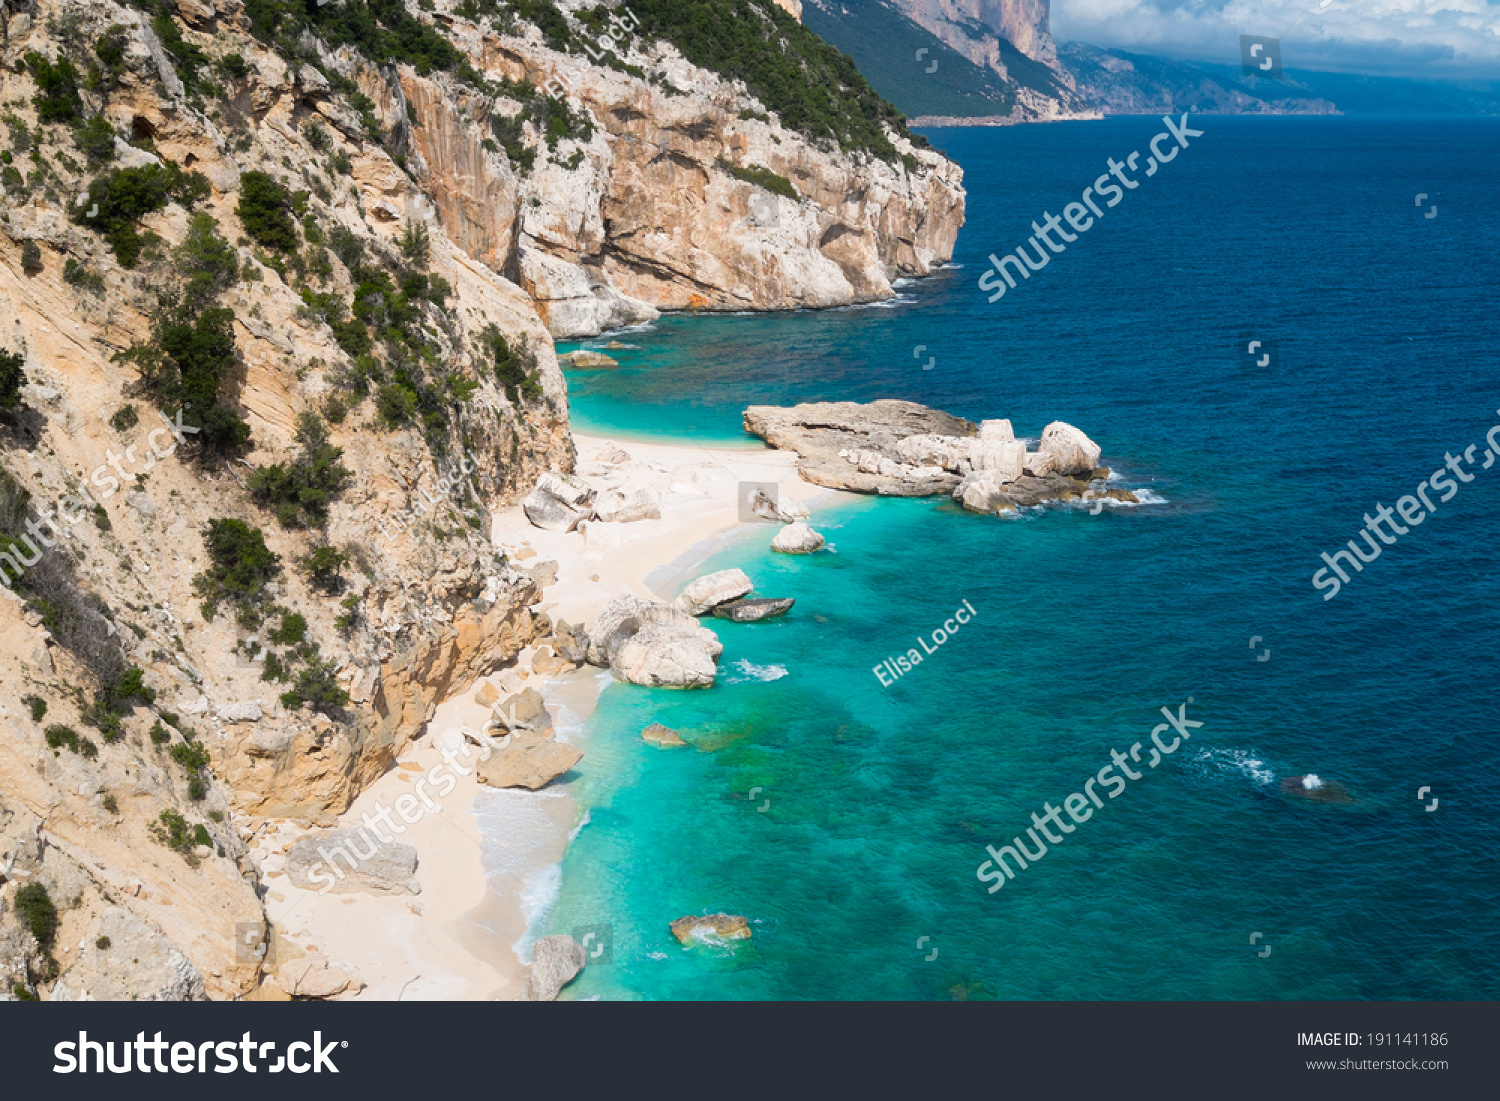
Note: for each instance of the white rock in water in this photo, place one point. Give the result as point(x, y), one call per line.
point(1039, 463)
point(996, 431)
point(622, 617)
point(1005, 461)
point(709, 591)
point(627, 503)
point(1072, 452)
point(977, 493)
point(669, 655)
point(797, 538)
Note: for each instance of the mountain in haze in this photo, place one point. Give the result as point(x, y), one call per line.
point(956, 61)
point(993, 59)
point(1120, 83)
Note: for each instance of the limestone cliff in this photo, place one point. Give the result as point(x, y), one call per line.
point(940, 59)
point(696, 199)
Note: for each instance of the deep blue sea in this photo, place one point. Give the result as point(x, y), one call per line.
point(856, 857)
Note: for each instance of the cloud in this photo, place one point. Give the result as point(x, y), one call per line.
point(1435, 39)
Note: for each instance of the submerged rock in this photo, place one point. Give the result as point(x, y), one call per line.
point(754, 608)
point(658, 734)
point(797, 538)
point(709, 591)
point(706, 928)
point(1316, 790)
point(586, 359)
point(555, 960)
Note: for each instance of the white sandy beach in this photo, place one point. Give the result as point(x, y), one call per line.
point(456, 939)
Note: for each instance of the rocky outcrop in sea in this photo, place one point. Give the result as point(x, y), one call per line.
point(903, 449)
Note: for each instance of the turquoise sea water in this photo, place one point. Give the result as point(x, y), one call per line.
point(873, 804)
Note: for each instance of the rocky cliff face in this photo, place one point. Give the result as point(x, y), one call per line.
point(346, 274)
point(992, 33)
point(659, 209)
point(1025, 24)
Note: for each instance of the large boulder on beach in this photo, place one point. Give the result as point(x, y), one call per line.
point(712, 589)
point(353, 860)
point(527, 760)
point(559, 502)
point(996, 431)
point(555, 960)
point(622, 617)
point(627, 503)
point(570, 641)
point(749, 611)
point(668, 655)
point(1072, 452)
point(526, 710)
point(656, 645)
point(709, 928)
point(797, 538)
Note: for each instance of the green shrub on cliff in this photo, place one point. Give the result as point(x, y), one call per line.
point(300, 491)
point(56, 98)
point(809, 85)
point(265, 210)
point(239, 565)
point(761, 177)
point(38, 913)
point(12, 378)
point(116, 202)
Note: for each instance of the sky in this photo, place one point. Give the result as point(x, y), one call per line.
point(1432, 39)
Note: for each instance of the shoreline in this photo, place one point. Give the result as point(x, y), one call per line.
point(486, 857)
